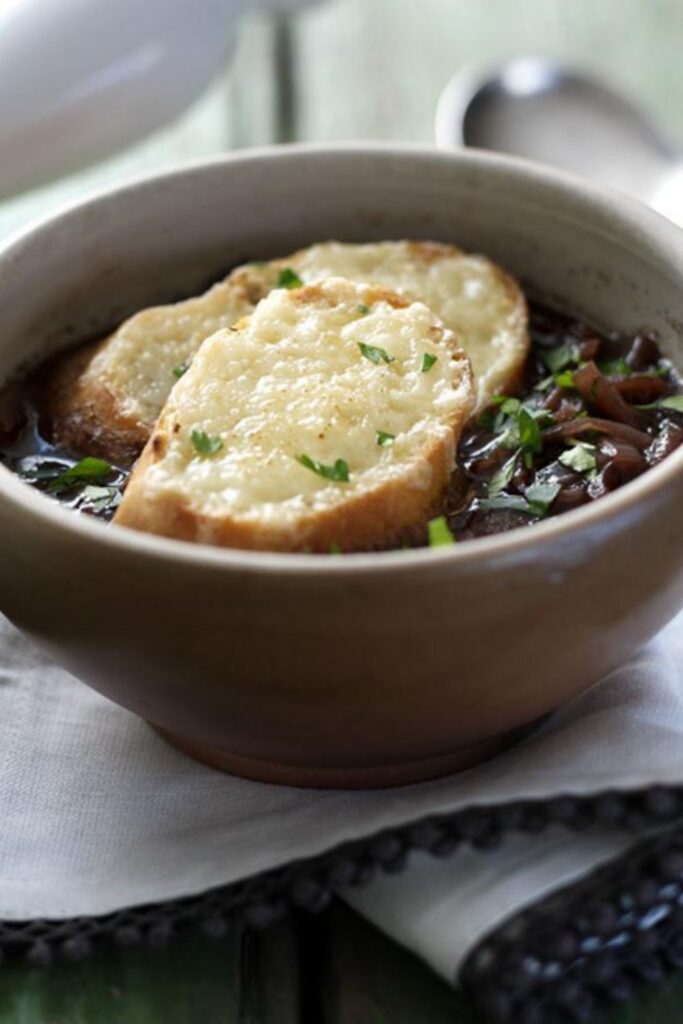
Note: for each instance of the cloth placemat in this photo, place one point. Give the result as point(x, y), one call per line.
point(99, 814)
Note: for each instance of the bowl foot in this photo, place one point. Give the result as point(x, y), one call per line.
point(372, 777)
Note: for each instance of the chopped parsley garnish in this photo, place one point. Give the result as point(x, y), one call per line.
point(439, 533)
point(522, 431)
point(541, 496)
point(672, 402)
point(385, 440)
point(180, 371)
point(87, 471)
point(37, 470)
point(339, 472)
point(487, 420)
point(334, 548)
point(565, 379)
point(518, 426)
point(615, 368)
point(535, 502)
point(545, 384)
point(204, 444)
point(428, 361)
point(101, 499)
point(513, 502)
point(580, 458)
point(502, 477)
point(288, 278)
point(529, 431)
point(375, 354)
point(559, 358)
point(508, 406)
point(363, 309)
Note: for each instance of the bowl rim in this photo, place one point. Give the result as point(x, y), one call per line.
point(634, 215)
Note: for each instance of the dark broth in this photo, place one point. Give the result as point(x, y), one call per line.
point(593, 412)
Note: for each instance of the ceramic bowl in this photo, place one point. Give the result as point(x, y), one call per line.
point(367, 669)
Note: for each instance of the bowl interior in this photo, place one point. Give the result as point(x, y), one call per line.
point(597, 255)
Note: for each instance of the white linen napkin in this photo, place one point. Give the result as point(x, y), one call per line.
point(98, 813)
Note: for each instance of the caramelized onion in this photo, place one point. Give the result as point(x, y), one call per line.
point(600, 394)
point(644, 352)
point(627, 460)
point(666, 441)
point(642, 388)
point(594, 425)
point(589, 348)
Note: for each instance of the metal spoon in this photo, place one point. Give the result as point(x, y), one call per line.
point(532, 107)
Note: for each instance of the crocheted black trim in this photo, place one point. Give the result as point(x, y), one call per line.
point(588, 944)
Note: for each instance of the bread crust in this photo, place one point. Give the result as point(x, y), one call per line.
point(382, 516)
point(84, 415)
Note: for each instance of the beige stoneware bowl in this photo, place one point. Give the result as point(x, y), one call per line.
point(365, 669)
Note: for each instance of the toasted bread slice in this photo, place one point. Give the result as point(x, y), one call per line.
point(328, 418)
point(105, 400)
point(470, 294)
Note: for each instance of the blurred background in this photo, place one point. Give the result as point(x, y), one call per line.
point(372, 69)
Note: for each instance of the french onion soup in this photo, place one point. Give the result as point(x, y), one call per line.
point(345, 398)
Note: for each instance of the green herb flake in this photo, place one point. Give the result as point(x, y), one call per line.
point(673, 402)
point(439, 533)
point(334, 548)
point(615, 368)
point(374, 354)
point(535, 502)
point(101, 499)
point(339, 472)
point(529, 431)
point(580, 458)
point(428, 361)
point(545, 384)
point(180, 371)
point(565, 379)
point(558, 359)
point(363, 309)
point(502, 477)
point(513, 502)
point(288, 278)
point(204, 444)
point(385, 440)
point(88, 470)
point(540, 497)
point(487, 420)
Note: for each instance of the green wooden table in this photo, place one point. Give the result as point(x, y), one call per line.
point(358, 69)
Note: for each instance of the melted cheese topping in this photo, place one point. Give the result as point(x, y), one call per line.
point(138, 361)
point(291, 380)
point(469, 293)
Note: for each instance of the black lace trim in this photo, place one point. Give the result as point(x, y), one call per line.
point(590, 943)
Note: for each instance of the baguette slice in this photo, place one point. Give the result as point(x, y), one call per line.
point(470, 294)
point(105, 400)
point(328, 418)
